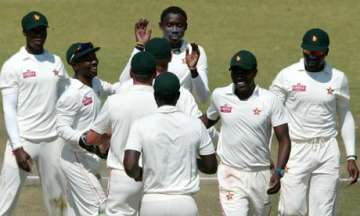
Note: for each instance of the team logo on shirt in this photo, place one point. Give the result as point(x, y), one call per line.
point(299, 87)
point(225, 108)
point(230, 195)
point(56, 72)
point(256, 111)
point(330, 91)
point(28, 73)
point(87, 100)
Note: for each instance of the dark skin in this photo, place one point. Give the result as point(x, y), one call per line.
point(352, 168)
point(206, 163)
point(35, 40)
point(244, 86)
point(86, 68)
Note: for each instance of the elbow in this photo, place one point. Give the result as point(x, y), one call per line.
point(130, 165)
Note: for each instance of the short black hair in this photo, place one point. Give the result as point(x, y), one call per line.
point(174, 10)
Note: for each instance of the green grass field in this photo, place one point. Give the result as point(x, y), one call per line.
point(271, 29)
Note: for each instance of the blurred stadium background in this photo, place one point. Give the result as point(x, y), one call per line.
point(271, 29)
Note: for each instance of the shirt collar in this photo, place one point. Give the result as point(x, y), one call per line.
point(231, 91)
point(77, 83)
point(167, 109)
point(141, 87)
point(301, 66)
point(182, 48)
point(25, 55)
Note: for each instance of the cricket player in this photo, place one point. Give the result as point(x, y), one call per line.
point(188, 61)
point(169, 142)
point(314, 94)
point(31, 81)
point(118, 114)
point(76, 109)
point(160, 48)
point(248, 114)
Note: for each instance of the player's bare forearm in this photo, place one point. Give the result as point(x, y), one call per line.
point(131, 164)
point(208, 122)
point(93, 138)
point(207, 163)
point(282, 135)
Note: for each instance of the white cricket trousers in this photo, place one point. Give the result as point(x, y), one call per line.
point(85, 194)
point(124, 194)
point(46, 156)
point(168, 205)
point(244, 193)
point(313, 171)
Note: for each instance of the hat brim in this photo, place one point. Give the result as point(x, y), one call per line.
point(313, 48)
point(84, 53)
point(36, 25)
point(242, 67)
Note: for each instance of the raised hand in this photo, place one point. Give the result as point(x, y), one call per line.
point(142, 31)
point(193, 57)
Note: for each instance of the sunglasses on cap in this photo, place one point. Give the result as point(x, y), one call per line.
point(314, 53)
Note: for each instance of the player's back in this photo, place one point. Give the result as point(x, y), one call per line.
point(124, 108)
point(172, 141)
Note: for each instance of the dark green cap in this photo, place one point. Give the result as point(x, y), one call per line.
point(244, 60)
point(143, 63)
point(33, 20)
point(159, 47)
point(78, 50)
point(167, 84)
point(315, 40)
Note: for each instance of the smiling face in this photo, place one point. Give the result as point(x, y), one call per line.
point(173, 27)
point(86, 66)
point(244, 81)
point(35, 39)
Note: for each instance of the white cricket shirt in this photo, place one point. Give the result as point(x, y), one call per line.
point(186, 102)
point(38, 81)
point(310, 99)
point(118, 114)
point(78, 107)
point(245, 126)
point(198, 86)
point(169, 142)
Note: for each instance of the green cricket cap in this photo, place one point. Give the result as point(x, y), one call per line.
point(315, 40)
point(33, 20)
point(159, 47)
point(143, 63)
point(78, 50)
point(243, 59)
point(167, 84)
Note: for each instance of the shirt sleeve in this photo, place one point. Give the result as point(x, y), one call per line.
point(278, 88)
point(67, 108)
point(278, 115)
point(187, 104)
point(200, 83)
point(125, 74)
point(206, 146)
point(105, 87)
point(135, 138)
point(102, 123)
point(212, 112)
point(64, 80)
point(10, 118)
point(9, 78)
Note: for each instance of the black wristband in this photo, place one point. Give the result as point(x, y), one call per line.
point(349, 157)
point(82, 140)
point(194, 73)
point(140, 47)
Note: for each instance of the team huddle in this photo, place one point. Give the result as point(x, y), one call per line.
point(154, 137)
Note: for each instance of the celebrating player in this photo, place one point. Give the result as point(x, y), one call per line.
point(188, 61)
point(314, 93)
point(248, 113)
point(31, 81)
point(76, 110)
point(169, 142)
point(118, 114)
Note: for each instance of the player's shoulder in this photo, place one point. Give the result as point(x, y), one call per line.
point(290, 69)
point(221, 91)
point(337, 73)
point(266, 94)
point(15, 58)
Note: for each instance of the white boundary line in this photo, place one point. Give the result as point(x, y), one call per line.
point(35, 180)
